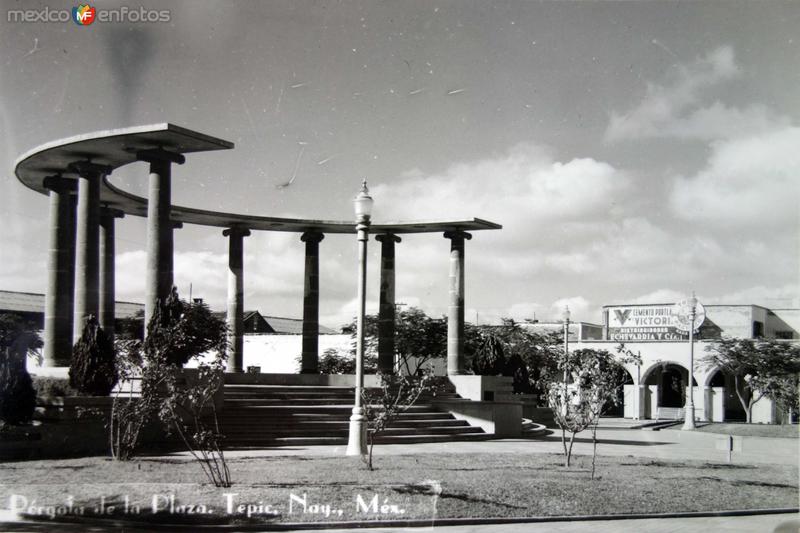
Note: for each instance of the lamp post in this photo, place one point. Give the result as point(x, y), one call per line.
point(688, 422)
point(565, 315)
point(362, 203)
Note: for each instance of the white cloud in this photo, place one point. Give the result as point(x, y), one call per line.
point(578, 306)
point(524, 185)
point(772, 297)
point(747, 183)
point(675, 109)
point(660, 296)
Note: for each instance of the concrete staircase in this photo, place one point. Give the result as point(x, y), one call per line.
point(257, 416)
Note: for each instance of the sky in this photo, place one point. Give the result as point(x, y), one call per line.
point(632, 151)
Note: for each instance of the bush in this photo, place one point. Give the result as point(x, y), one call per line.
point(18, 339)
point(184, 331)
point(333, 362)
point(17, 396)
point(48, 387)
point(93, 371)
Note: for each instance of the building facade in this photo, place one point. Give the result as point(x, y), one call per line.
point(657, 389)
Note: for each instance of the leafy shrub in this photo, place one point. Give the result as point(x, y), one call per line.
point(177, 332)
point(18, 338)
point(49, 387)
point(17, 396)
point(93, 371)
point(183, 331)
point(334, 362)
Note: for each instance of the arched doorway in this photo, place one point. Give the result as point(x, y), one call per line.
point(665, 385)
point(673, 387)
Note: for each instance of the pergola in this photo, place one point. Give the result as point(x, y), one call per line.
point(84, 206)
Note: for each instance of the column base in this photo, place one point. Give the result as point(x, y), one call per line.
point(688, 419)
point(357, 441)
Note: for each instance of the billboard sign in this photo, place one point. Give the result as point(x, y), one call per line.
point(652, 322)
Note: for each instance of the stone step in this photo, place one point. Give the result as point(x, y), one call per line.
point(317, 394)
point(300, 388)
point(235, 432)
point(285, 415)
point(305, 408)
point(324, 417)
point(388, 439)
point(445, 421)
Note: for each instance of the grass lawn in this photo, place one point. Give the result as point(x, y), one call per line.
point(791, 431)
point(340, 488)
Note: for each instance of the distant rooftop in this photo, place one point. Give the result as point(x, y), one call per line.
point(32, 302)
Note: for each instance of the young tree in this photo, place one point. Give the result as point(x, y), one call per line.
point(760, 368)
point(396, 395)
point(177, 333)
point(18, 339)
point(596, 375)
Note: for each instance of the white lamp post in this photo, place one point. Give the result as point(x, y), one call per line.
point(565, 315)
point(688, 422)
point(362, 203)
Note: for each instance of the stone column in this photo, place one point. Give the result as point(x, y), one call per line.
point(235, 315)
point(159, 229)
point(107, 269)
point(310, 357)
point(60, 273)
point(455, 309)
point(386, 309)
point(87, 252)
point(173, 225)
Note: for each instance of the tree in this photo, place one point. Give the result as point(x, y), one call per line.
point(513, 350)
point(93, 369)
point(418, 339)
point(177, 333)
point(396, 395)
point(18, 339)
point(596, 375)
point(760, 368)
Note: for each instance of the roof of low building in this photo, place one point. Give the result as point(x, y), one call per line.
point(32, 302)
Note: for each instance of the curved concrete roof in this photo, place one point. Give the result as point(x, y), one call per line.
point(116, 148)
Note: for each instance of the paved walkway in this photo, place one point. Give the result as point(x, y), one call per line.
point(669, 444)
point(782, 523)
point(778, 523)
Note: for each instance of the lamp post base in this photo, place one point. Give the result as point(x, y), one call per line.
point(357, 441)
point(688, 419)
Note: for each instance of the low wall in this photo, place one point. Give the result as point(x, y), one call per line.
point(483, 388)
point(501, 419)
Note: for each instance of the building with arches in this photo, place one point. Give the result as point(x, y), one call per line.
point(657, 388)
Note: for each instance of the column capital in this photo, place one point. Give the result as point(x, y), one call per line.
point(57, 183)
point(110, 212)
point(87, 169)
point(387, 237)
point(236, 231)
point(457, 235)
point(312, 236)
point(159, 155)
